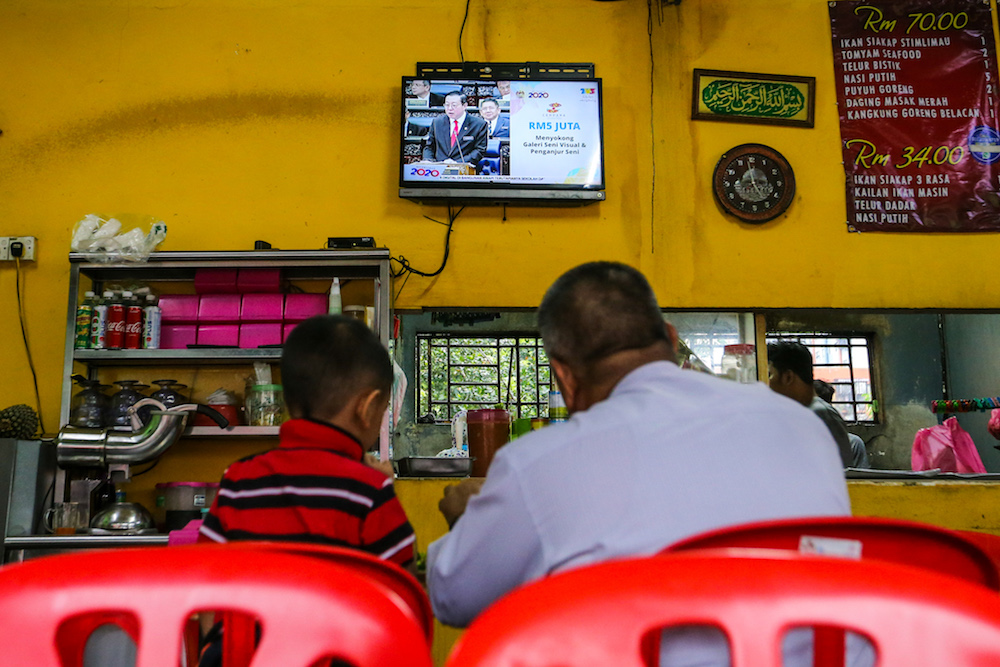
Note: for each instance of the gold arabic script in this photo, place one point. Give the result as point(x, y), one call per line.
point(753, 98)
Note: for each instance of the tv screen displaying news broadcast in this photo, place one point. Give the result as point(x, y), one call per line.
point(520, 134)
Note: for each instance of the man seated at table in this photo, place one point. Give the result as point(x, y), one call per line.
point(651, 454)
point(859, 453)
point(790, 373)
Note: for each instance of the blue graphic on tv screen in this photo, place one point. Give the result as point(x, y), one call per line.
point(984, 144)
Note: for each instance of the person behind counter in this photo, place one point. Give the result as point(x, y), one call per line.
point(859, 453)
point(651, 454)
point(790, 373)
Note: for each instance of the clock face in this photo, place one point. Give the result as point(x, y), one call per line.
point(753, 183)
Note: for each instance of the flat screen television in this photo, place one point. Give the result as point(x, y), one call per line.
point(525, 141)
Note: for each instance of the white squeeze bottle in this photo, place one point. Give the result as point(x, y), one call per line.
point(336, 307)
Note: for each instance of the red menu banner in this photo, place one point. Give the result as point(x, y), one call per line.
point(917, 92)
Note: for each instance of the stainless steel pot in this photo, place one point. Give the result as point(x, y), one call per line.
point(123, 518)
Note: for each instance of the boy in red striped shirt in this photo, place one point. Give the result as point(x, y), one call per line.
point(319, 485)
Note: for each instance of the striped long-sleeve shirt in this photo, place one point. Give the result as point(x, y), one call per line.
point(315, 488)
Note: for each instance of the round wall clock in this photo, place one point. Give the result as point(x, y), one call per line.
point(754, 183)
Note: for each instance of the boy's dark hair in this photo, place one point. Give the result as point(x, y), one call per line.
point(327, 360)
point(791, 355)
point(598, 309)
point(824, 390)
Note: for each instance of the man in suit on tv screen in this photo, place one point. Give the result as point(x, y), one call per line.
point(421, 90)
point(456, 136)
point(498, 124)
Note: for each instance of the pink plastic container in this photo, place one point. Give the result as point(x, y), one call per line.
point(215, 281)
point(177, 336)
point(219, 308)
point(262, 308)
point(218, 334)
point(300, 307)
point(287, 329)
point(178, 308)
point(259, 280)
point(257, 334)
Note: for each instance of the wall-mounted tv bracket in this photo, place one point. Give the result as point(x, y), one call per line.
point(492, 71)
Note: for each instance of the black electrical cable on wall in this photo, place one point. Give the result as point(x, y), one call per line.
point(461, 56)
point(24, 337)
point(405, 266)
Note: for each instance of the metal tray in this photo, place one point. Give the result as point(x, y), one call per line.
point(433, 466)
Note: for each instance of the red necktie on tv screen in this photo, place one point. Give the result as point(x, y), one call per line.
point(454, 133)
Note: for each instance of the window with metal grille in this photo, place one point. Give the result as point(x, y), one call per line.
point(465, 372)
point(843, 360)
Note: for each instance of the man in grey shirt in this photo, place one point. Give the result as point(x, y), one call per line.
point(790, 373)
point(859, 453)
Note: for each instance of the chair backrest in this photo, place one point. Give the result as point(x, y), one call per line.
point(908, 542)
point(308, 608)
point(988, 542)
point(604, 614)
point(390, 575)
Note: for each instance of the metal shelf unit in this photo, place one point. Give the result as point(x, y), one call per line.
point(180, 267)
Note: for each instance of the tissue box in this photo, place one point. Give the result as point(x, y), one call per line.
point(219, 308)
point(262, 307)
point(258, 334)
point(259, 280)
point(178, 308)
point(177, 336)
point(227, 335)
point(300, 307)
point(215, 281)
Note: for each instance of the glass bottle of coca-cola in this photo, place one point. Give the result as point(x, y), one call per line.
point(114, 338)
point(133, 323)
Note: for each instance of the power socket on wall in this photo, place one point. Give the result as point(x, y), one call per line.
point(10, 246)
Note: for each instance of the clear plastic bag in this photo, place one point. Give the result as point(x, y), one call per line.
point(101, 240)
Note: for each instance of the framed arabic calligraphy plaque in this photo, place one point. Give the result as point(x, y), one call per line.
point(744, 97)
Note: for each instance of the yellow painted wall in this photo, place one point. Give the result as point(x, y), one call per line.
point(237, 120)
point(264, 119)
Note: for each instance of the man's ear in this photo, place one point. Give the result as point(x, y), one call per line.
point(568, 384)
point(369, 408)
point(672, 335)
point(788, 378)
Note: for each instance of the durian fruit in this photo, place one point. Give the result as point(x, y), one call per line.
point(18, 421)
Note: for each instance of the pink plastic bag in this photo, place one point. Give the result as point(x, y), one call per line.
point(994, 426)
point(946, 446)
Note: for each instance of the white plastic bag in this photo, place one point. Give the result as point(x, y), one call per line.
point(102, 240)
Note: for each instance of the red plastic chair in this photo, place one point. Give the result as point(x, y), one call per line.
point(606, 614)
point(309, 609)
point(239, 629)
point(908, 542)
point(988, 542)
point(390, 575)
